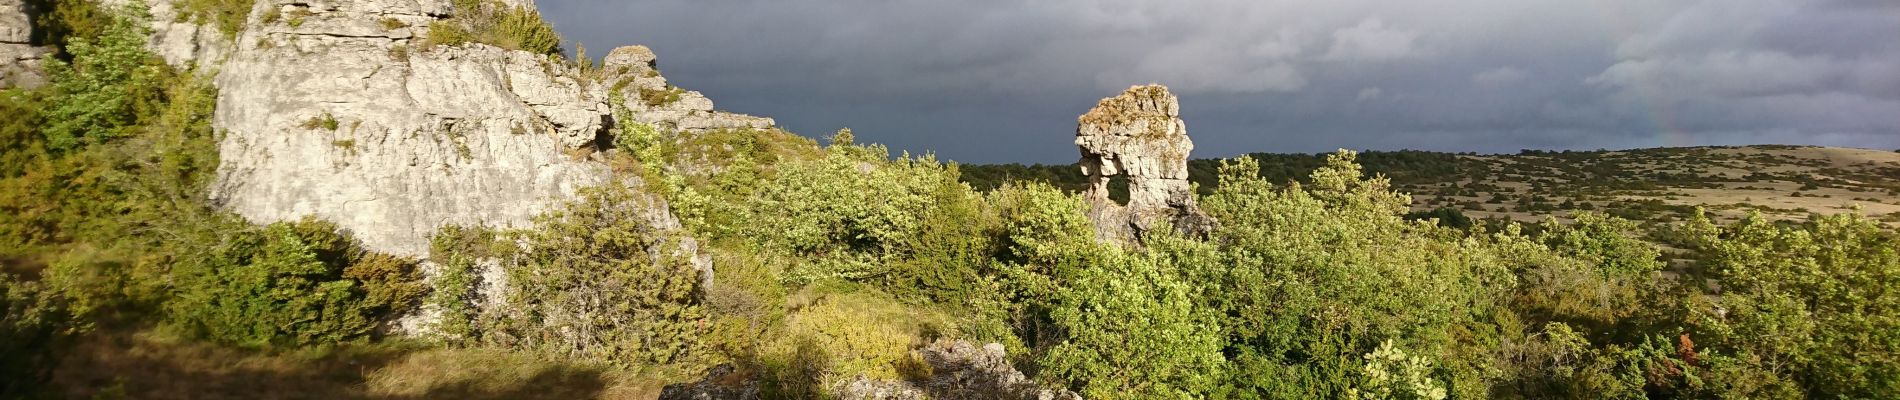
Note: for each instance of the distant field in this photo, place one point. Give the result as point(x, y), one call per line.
point(1650, 185)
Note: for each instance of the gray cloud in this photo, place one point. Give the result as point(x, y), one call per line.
point(998, 81)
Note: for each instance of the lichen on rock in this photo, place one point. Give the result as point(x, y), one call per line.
point(1138, 135)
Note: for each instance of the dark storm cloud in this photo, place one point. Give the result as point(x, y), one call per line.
point(996, 81)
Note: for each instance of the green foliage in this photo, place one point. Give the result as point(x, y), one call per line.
point(1391, 374)
point(907, 224)
point(1444, 216)
point(1135, 331)
point(325, 122)
point(1810, 303)
point(500, 25)
point(841, 336)
point(110, 201)
point(660, 97)
point(59, 21)
point(108, 89)
point(34, 324)
point(287, 284)
point(1300, 305)
point(595, 280)
point(227, 15)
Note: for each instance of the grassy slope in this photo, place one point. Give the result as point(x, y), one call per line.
point(1661, 184)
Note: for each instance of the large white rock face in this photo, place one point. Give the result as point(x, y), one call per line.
point(19, 58)
point(342, 117)
point(347, 115)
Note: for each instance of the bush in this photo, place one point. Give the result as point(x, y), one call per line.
point(837, 337)
point(228, 16)
point(1315, 278)
point(493, 23)
point(59, 21)
point(1135, 308)
point(287, 284)
point(109, 88)
point(596, 280)
point(34, 324)
point(1812, 302)
point(907, 225)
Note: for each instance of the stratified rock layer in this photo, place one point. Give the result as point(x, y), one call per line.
point(1138, 135)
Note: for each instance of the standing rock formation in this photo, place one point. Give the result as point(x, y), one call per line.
point(19, 57)
point(1138, 135)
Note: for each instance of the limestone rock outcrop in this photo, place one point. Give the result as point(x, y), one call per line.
point(347, 118)
point(348, 114)
point(655, 102)
point(1138, 135)
point(20, 59)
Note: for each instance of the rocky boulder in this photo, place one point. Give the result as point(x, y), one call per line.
point(341, 109)
point(20, 59)
point(1138, 135)
point(351, 119)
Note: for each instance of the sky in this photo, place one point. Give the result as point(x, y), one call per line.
point(992, 81)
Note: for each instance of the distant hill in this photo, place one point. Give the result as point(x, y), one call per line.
point(1651, 185)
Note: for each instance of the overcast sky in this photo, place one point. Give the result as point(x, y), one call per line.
point(1002, 81)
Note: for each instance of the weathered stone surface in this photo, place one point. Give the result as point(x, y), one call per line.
point(1138, 135)
point(20, 60)
point(964, 371)
point(338, 109)
point(344, 119)
point(423, 136)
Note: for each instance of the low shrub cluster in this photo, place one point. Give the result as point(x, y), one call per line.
point(597, 281)
point(493, 23)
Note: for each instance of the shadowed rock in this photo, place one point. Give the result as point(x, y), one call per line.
point(19, 57)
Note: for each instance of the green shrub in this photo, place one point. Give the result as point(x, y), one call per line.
point(841, 332)
point(111, 85)
point(493, 23)
point(458, 252)
point(906, 224)
point(227, 15)
point(1812, 302)
point(287, 284)
point(660, 97)
point(594, 280)
point(34, 324)
point(59, 21)
point(1389, 373)
point(1135, 308)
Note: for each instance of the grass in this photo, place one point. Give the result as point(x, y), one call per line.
point(325, 122)
point(228, 15)
point(151, 365)
point(661, 97)
point(492, 23)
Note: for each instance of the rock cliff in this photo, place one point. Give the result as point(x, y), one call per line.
point(19, 58)
point(1138, 135)
point(341, 109)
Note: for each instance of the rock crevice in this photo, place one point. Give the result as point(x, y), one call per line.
point(20, 58)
